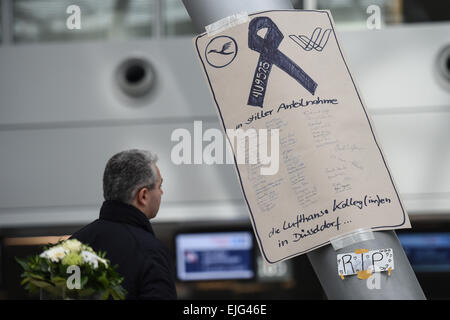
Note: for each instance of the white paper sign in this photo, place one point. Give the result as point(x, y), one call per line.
point(284, 72)
point(374, 260)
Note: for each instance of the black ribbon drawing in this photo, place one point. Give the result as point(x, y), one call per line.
point(270, 55)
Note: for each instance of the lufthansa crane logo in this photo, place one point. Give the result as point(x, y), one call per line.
point(221, 51)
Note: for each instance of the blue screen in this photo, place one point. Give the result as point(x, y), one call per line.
point(214, 256)
point(427, 252)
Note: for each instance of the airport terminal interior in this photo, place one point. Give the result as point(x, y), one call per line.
point(130, 77)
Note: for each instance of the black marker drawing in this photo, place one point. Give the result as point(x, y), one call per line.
point(221, 51)
point(313, 42)
point(269, 55)
point(225, 47)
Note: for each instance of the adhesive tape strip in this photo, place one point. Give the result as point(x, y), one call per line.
point(226, 23)
point(350, 238)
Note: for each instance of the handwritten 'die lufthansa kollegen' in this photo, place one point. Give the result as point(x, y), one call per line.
point(285, 70)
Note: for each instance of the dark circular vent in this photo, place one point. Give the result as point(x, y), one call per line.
point(443, 67)
point(447, 63)
point(135, 77)
point(135, 74)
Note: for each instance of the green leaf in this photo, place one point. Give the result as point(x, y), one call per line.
point(41, 284)
point(86, 292)
point(44, 265)
point(22, 263)
point(35, 276)
point(105, 295)
point(103, 279)
point(58, 281)
point(84, 280)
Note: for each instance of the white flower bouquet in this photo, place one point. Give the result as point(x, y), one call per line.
point(71, 269)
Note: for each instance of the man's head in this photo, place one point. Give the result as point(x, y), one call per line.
point(132, 177)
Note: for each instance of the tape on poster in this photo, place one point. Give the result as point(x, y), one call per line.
point(353, 237)
point(226, 23)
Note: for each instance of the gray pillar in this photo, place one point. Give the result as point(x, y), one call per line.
point(6, 12)
point(402, 284)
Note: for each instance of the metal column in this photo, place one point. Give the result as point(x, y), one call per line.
point(6, 21)
point(402, 284)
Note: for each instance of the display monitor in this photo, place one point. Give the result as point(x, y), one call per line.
point(215, 255)
point(428, 251)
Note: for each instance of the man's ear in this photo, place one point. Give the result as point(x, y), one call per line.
point(142, 196)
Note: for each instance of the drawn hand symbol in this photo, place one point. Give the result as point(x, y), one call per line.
point(313, 42)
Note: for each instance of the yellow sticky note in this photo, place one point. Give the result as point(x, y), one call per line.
point(364, 274)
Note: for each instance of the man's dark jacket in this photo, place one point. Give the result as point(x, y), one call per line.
point(125, 233)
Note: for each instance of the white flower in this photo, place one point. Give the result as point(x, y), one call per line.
point(87, 248)
point(55, 254)
point(73, 245)
point(103, 261)
point(91, 258)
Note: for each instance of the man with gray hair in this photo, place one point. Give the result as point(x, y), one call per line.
point(132, 191)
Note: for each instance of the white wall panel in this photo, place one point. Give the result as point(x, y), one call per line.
point(395, 67)
point(417, 150)
point(57, 167)
point(75, 82)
